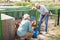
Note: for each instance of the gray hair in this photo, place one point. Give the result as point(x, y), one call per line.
point(37, 4)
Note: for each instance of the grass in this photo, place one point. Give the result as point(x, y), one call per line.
point(56, 30)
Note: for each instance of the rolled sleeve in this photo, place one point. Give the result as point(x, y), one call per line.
point(45, 9)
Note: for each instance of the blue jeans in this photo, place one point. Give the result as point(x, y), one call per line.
point(46, 23)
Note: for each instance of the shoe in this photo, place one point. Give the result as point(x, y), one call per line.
point(45, 33)
point(40, 33)
point(27, 39)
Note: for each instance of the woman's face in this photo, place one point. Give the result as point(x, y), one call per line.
point(29, 17)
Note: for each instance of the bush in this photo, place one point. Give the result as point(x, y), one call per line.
point(23, 4)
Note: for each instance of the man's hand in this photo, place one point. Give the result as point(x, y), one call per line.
point(44, 17)
point(43, 20)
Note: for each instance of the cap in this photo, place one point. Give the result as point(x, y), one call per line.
point(26, 15)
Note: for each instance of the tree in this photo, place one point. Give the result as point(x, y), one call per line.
point(26, 0)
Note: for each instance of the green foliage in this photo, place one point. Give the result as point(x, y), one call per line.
point(23, 4)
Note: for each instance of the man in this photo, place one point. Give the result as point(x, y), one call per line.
point(43, 16)
point(25, 28)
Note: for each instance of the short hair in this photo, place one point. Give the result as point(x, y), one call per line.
point(37, 4)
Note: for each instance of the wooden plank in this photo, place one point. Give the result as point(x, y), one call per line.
point(8, 28)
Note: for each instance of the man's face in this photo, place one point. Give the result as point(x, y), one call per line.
point(38, 7)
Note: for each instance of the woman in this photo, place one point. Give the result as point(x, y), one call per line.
point(25, 29)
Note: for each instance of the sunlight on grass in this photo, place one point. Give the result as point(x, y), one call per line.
point(53, 28)
point(57, 36)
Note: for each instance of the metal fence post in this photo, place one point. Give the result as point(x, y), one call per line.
point(37, 16)
point(0, 27)
point(56, 12)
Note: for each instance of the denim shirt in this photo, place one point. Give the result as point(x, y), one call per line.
point(24, 27)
